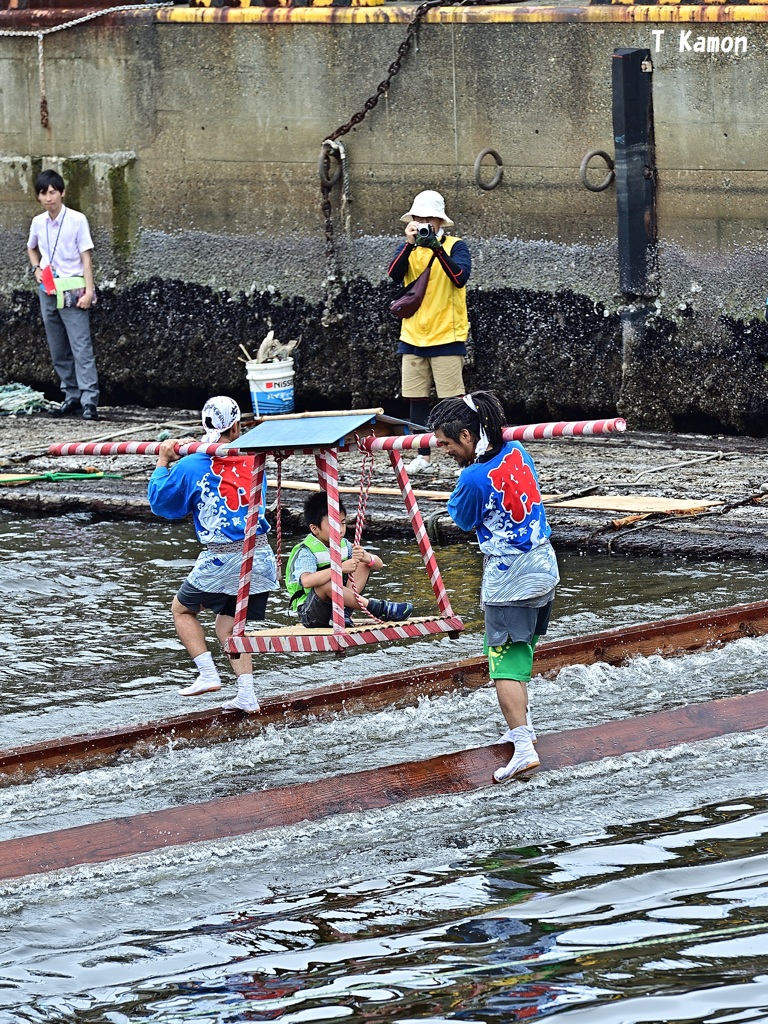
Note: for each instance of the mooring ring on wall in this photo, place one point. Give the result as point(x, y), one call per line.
point(328, 178)
point(607, 180)
point(496, 179)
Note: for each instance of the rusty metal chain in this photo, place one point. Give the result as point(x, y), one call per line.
point(328, 179)
point(394, 67)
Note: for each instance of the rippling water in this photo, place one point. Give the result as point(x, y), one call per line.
point(510, 903)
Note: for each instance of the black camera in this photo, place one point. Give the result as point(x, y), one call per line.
point(424, 234)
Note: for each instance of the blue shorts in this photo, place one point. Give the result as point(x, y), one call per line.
point(221, 604)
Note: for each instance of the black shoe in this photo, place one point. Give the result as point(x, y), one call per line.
point(89, 412)
point(69, 407)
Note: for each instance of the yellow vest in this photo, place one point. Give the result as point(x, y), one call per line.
point(442, 317)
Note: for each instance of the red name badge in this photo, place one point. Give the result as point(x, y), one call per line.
point(47, 280)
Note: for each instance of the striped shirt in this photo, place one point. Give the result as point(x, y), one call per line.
point(219, 572)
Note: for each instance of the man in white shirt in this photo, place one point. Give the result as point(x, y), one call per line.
point(59, 249)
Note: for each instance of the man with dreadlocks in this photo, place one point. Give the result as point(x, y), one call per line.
point(497, 495)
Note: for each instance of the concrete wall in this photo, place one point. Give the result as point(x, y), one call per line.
point(190, 137)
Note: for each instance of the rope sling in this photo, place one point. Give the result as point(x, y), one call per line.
point(366, 479)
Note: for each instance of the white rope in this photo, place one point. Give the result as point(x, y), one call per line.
point(346, 198)
point(40, 33)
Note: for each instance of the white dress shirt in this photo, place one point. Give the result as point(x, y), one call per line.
point(61, 241)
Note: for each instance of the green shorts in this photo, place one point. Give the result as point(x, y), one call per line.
point(513, 660)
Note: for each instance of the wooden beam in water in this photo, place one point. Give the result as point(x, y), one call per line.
point(671, 638)
point(381, 787)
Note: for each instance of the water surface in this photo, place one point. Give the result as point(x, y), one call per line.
point(512, 903)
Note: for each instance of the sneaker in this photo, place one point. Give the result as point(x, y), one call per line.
point(420, 465)
point(242, 702)
point(524, 759)
point(199, 686)
point(390, 611)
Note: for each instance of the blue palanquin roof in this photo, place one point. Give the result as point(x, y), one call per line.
point(302, 432)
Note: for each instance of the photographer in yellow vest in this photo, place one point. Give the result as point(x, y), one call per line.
point(433, 342)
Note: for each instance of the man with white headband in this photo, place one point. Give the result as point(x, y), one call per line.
point(215, 491)
point(497, 495)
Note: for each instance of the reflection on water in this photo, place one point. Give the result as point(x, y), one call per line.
point(511, 903)
point(663, 920)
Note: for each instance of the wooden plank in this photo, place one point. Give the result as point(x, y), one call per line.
point(342, 794)
point(671, 637)
point(305, 485)
point(634, 503)
point(358, 625)
point(595, 503)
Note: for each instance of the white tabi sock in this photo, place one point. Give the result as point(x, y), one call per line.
point(245, 682)
point(206, 668)
point(246, 696)
point(523, 761)
point(208, 680)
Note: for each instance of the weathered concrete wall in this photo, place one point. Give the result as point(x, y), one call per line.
point(193, 148)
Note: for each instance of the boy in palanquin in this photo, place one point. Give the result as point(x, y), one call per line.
point(433, 341)
point(497, 495)
point(216, 492)
point(308, 572)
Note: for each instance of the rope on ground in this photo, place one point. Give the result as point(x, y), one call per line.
point(19, 399)
point(41, 33)
point(715, 456)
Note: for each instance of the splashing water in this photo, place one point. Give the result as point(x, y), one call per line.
point(509, 903)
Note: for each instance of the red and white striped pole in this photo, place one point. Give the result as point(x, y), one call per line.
point(249, 545)
point(420, 531)
point(328, 476)
point(140, 448)
point(528, 432)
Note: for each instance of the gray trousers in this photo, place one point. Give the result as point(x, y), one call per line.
point(68, 331)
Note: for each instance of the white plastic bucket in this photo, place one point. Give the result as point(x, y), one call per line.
point(271, 386)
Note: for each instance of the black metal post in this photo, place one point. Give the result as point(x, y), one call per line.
point(636, 209)
point(635, 171)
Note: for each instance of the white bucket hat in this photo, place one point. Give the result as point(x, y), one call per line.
point(428, 204)
point(219, 414)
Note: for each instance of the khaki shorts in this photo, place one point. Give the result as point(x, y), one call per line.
point(420, 371)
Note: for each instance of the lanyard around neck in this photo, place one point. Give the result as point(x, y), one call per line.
point(47, 239)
